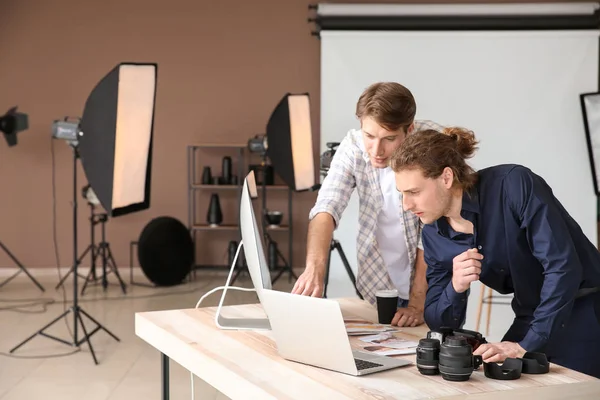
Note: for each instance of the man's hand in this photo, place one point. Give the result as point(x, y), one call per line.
point(408, 316)
point(466, 268)
point(309, 283)
point(498, 352)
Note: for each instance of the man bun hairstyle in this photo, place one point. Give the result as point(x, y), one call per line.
point(390, 104)
point(432, 151)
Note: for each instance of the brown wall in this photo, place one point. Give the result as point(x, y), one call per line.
point(223, 65)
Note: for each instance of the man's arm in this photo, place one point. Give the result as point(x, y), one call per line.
point(538, 212)
point(412, 315)
point(320, 232)
point(444, 306)
point(418, 288)
point(332, 200)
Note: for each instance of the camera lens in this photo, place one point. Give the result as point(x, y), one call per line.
point(456, 359)
point(428, 352)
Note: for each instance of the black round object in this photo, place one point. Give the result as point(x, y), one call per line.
point(456, 359)
point(428, 356)
point(508, 370)
point(165, 251)
point(535, 363)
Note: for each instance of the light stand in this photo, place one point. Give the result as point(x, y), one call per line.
point(77, 311)
point(102, 250)
point(11, 124)
point(21, 269)
point(335, 245)
point(326, 159)
point(268, 239)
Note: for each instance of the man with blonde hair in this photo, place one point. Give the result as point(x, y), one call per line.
point(389, 253)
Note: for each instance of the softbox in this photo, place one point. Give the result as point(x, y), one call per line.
point(289, 137)
point(115, 143)
point(590, 107)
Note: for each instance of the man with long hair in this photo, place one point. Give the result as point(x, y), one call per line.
point(503, 226)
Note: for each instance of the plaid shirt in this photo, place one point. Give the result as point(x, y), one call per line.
point(351, 168)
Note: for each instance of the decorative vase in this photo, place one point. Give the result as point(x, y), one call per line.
point(226, 170)
point(206, 176)
point(214, 216)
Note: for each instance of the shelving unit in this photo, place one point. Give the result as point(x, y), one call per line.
point(200, 229)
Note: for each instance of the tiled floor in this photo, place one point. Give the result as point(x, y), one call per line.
point(129, 369)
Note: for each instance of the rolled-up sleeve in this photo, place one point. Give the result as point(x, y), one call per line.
point(339, 183)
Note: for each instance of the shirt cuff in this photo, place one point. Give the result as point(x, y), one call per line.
point(458, 301)
point(533, 342)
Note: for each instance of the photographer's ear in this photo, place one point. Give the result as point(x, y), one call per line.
point(410, 129)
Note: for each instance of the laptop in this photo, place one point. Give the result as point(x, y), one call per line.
point(311, 331)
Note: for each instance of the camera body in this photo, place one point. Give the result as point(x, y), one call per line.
point(449, 352)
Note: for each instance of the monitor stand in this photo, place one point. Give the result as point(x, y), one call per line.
point(238, 323)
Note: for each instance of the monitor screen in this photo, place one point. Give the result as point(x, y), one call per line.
point(252, 238)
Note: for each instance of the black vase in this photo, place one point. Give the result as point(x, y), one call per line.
point(214, 217)
point(226, 170)
point(206, 176)
point(273, 255)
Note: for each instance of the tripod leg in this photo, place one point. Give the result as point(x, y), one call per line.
point(338, 246)
point(64, 278)
point(92, 269)
point(40, 332)
point(87, 339)
point(100, 325)
point(13, 276)
point(286, 267)
point(21, 267)
point(113, 266)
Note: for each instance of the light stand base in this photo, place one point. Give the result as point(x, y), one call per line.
point(335, 245)
point(21, 269)
point(78, 313)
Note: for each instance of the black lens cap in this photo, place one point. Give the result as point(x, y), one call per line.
point(508, 370)
point(535, 363)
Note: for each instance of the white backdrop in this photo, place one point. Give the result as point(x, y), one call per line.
point(518, 91)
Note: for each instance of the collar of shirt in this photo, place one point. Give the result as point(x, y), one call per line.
point(469, 211)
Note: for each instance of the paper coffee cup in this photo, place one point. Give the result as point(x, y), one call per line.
point(387, 304)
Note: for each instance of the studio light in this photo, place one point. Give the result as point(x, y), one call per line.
point(114, 137)
point(113, 140)
point(12, 123)
point(290, 146)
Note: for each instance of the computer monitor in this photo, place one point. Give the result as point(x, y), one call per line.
point(252, 238)
point(255, 258)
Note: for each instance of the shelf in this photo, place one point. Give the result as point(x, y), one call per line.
point(232, 187)
point(203, 232)
point(215, 228)
point(235, 227)
point(219, 145)
point(216, 187)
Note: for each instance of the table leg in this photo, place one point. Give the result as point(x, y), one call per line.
point(165, 376)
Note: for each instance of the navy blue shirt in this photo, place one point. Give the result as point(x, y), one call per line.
point(531, 246)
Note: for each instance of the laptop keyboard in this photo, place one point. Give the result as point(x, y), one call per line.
point(362, 364)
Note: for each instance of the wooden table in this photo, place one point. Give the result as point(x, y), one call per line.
point(246, 365)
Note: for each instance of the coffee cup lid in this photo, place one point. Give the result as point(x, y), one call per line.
point(387, 293)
